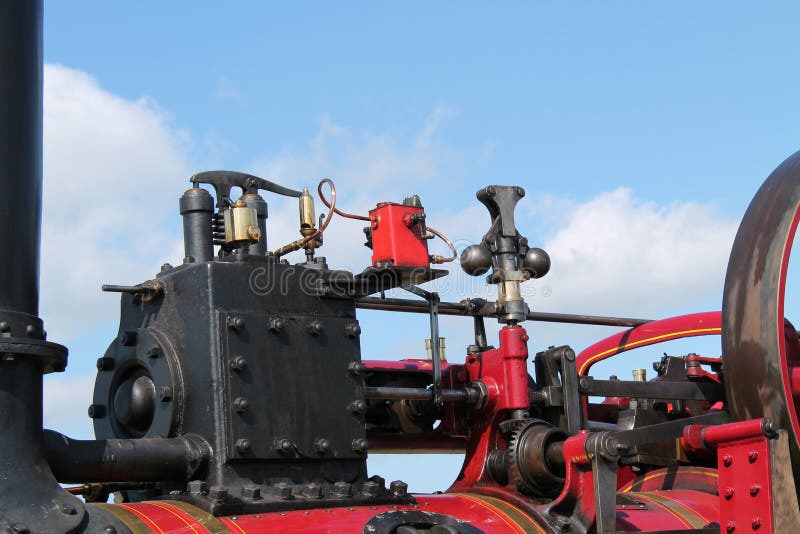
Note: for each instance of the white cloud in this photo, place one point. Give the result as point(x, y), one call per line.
point(113, 169)
point(619, 254)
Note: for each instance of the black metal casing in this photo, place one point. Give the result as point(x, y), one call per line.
point(242, 352)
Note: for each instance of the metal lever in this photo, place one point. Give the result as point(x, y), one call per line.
point(436, 357)
point(223, 181)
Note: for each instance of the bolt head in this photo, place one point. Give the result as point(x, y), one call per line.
point(235, 323)
point(730, 526)
point(97, 411)
point(754, 489)
point(165, 395)
point(105, 364)
point(251, 492)
point(128, 338)
point(370, 488)
point(342, 489)
point(727, 460)
point(360, 445)
point(756, 523)
point(728, 493)
point(239, 363)
point(322, 445)
point(196, 487)
point(243, 445)
point(752, 456)
point(283, 490)
point(217, 494)
point(398, 488)
point(110, 529)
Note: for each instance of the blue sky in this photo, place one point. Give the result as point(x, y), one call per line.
point(640, 131)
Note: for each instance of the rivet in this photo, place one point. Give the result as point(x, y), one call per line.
point(276, 324)
point(728, 492)
point(322, 445)
point(314, 327)
point(239, 363)
point(358, 407)
point(243, 445)
point(110, 530)
point(352, 330)
point(235, 323)
point(360, 445)
point(752, 456)
point(727, 459)
point(283, 445)
point(730, 526)
point(241, 404)
point(756, 523)
point(4, 326)
point(356, 368)
point(30, 330)
point(754, 489)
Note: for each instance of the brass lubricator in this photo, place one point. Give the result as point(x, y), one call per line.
point(241, 224)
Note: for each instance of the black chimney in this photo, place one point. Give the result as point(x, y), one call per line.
point(30, 498)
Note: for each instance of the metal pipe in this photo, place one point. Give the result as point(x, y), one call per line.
point(490, 310)
point(125, 460)
point(20, 156)
point(197, 207)
point(30, 498)
point(446, 395)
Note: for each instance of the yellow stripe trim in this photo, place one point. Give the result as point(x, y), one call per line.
point(629, 486)
point(126, 517)
point(174, 513)
point(650, 340)
point(497, 506)
point(206, 520)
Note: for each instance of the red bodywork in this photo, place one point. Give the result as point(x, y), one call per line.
point(677, 498)
point(398, 236)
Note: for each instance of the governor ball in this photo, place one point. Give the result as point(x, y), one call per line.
point(536, 262)
point(476, 260)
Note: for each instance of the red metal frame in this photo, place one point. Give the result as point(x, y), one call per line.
point(692, 325)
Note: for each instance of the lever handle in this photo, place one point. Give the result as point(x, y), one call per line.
point(223, 181)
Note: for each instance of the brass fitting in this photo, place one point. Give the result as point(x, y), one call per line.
point(241, 224)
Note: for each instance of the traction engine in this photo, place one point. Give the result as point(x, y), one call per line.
point(234, 397)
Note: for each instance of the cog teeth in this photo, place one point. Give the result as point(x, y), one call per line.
point(515, 475)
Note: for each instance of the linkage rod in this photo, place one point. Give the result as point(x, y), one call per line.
point(489, 309)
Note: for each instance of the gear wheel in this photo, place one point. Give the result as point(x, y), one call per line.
point(529, 469)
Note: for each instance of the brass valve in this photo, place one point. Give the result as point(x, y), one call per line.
point(241, 224)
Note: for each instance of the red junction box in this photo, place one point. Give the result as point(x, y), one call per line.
point(399, 236)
